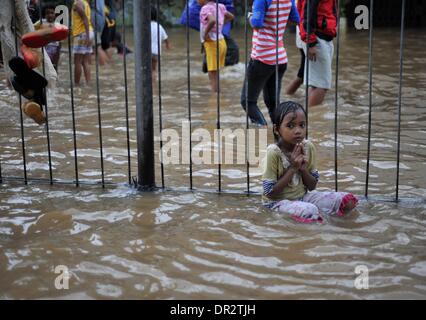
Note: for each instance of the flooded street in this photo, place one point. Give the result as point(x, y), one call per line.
point(120, 243)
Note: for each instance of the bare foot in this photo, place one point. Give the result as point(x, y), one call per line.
point(349, 206)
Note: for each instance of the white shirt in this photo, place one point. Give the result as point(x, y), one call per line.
point(154, 36)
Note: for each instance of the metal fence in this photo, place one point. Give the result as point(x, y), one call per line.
point(144, 106)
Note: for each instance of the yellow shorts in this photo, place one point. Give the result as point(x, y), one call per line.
point(211, 57)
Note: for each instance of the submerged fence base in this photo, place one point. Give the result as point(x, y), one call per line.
point(9, 181)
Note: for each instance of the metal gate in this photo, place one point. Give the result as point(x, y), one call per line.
point(145, 174)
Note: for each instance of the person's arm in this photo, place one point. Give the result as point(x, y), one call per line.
point(310, 27)
point(270, 171)
point(310, 24)
point(296, 162)
point(164, 37)
point(210, 24)
point(309, 178)
point(294, 13)
point(79, 8)
point(167, 42)
point(228, 17)
point(283, 181)
point(259, 11)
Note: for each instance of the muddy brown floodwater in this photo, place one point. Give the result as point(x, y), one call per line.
point(120, 243)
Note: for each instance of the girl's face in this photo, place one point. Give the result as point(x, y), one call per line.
point(293, 127)
point(201, 2)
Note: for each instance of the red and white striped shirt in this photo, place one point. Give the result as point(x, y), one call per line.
point(264, 40)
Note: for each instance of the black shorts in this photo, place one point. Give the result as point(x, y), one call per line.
point(301, 72)
point(106, 37)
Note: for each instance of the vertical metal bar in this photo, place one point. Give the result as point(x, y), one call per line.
point(143, 89)
point(159, 93)
point(24, 158)
point(218, 99)
point(98, 99)
point(370, 97)
point(401, 60)
point(276, 57)
point(188, 74)
point(72, 98)
point(308, 35)
point(246, 95)
point(126, 96)
point(336, 96)
point(49, 154)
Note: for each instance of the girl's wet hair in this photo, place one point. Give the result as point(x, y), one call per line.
point(284, 109)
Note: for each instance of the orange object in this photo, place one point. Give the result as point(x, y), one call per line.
point(31, 56)
point(42, 37)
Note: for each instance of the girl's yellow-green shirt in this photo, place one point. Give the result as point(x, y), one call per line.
point(276, 163)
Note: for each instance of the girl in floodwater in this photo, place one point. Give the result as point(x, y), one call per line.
point(290, 175)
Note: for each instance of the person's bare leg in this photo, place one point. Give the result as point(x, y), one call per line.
point(8, 84)
point(213, 81)
point(78, 61)
point(102, 56)
point(316, 96)
point(86, 67)
point(293, 86)
point(154, 70)
point(110, 52)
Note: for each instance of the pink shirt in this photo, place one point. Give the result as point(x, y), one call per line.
point(210, 9)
